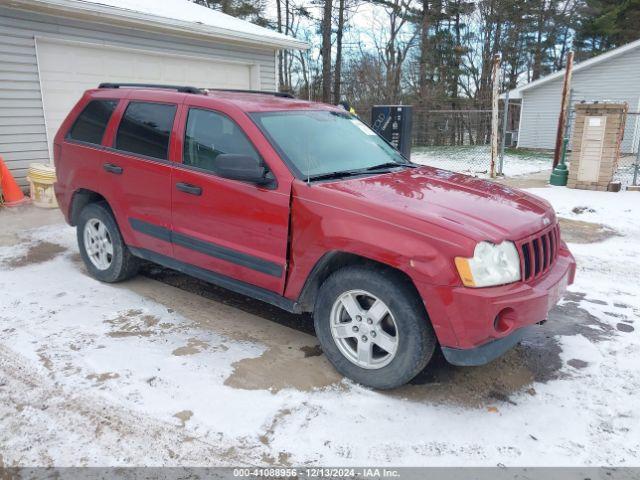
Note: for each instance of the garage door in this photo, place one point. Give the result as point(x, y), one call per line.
point(68, 69)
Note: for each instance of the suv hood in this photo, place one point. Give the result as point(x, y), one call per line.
point(477, 209)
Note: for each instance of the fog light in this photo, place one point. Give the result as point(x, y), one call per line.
point(504, 320)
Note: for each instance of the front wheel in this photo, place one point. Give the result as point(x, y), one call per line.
point(101, 245)
point(373, 326)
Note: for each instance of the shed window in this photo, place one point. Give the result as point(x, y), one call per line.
point(145, 129)
point(92, 122)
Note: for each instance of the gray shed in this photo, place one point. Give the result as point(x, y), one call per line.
point(612, 77)
point(53, 50)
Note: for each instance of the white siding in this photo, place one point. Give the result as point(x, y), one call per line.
point(615, 80)
point(22, 128)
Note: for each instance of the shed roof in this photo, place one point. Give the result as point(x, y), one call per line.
point(516, 93)
point(179, 17)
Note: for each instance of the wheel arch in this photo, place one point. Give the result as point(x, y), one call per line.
point(333, 261)
point(81, 198)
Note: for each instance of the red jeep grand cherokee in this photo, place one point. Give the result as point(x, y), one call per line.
point(301, 205)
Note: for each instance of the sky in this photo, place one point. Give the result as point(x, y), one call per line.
point(365, 19)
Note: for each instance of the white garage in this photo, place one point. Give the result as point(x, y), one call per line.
point(53, 50)
point(69, 68)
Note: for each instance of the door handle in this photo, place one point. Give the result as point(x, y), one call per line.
point(190, 189)
point(111, 168)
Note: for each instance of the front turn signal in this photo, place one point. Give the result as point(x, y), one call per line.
point(464, 270)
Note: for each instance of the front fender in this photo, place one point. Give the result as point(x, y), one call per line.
point(318, 229)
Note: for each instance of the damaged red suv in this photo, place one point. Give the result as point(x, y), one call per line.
point(303, 206)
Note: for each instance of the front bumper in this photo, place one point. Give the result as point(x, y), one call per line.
point(486, 322)
point(483, 354)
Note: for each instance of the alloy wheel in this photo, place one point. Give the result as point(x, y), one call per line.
point(98, 244)
point(364, 329)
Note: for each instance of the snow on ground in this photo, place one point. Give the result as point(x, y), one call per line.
point(95, 374)
point(608, 271)
point(475, 160)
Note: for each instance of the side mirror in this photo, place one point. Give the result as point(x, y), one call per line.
point(241, 167)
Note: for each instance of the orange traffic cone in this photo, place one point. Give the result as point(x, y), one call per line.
point(12, 196)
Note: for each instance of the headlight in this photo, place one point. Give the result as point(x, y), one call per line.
point(491, 265)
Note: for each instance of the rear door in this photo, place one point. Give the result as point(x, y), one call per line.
point(230, 227)
point(137, 172)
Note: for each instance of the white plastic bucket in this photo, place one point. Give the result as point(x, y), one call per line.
point(41, 179)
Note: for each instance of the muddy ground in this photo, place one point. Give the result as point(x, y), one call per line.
point(536, 359)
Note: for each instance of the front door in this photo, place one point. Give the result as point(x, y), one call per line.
point(233, 228)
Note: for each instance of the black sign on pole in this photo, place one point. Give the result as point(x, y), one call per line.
point(394, 123)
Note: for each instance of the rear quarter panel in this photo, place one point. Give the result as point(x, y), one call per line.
point(77, 164)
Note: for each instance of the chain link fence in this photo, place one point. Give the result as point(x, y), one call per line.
point(460, 140)
point(457, 140)
point(628, 171)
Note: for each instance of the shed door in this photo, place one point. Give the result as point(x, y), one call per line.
point(67, 69)
point(591, 148)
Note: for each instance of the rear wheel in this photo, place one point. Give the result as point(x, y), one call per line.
point(101, 246)
point(373, 327)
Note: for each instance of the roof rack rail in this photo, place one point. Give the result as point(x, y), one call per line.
point(258, 92)
point(179, 88)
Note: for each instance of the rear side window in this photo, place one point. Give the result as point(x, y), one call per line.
point(208, 134)
point(92, 122)
point(145, 129)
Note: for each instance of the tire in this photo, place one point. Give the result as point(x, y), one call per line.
point(414, 338)
point(119, 263)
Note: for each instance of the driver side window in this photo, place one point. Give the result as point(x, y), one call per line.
point(208, 134)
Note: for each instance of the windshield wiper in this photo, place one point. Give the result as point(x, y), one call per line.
point(387, 165)
point(330, 175)
point(382, 168)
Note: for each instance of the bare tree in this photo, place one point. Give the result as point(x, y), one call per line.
point(393, 39)
point(338, 65)
point(424, 25)
point(326, 51)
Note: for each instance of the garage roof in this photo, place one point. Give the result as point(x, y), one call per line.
point(180, 17)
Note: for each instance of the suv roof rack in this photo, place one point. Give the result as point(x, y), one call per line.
point(179, 88)
point(257, 92)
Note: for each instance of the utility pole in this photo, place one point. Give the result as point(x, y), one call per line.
point(495, 78)
point(636, 167)
point(564, 106)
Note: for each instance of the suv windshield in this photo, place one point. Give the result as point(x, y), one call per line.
point(327, 144)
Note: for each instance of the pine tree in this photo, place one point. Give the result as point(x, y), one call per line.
point(606, 24)
point(251, 10)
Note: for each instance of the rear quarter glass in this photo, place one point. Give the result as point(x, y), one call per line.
point(92, 122)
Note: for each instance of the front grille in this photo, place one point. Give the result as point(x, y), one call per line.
point(538, 253)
